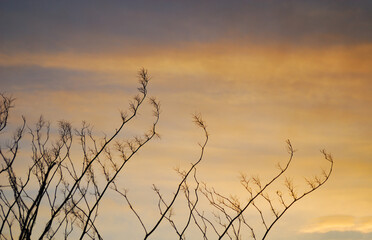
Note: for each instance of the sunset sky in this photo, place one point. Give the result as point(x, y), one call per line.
point(259, 72)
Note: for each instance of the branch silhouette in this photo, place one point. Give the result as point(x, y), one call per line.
point(72, 191)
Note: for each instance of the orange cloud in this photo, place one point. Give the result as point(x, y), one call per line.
point(219, 58)
point(340, 223)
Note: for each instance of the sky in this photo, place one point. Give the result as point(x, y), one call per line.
point(259, 72)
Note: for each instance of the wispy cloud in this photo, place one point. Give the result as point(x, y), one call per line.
point(340, 223)
point(220, 58)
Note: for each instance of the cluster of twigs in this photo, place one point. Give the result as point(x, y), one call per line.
point(71, 190)
point(228, 218)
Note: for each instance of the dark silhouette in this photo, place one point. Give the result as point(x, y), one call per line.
point(72, 190)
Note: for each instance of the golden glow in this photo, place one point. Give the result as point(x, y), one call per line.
point(340, 223)
point(218, 59)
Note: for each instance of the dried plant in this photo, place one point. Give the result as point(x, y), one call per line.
point(73, 190)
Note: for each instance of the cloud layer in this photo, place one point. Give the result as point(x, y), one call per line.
point(340, 223)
